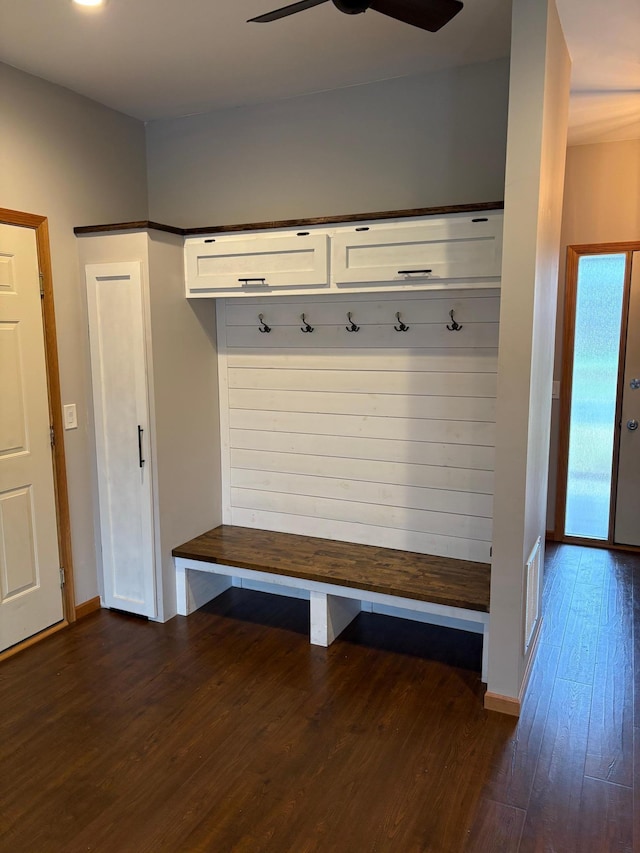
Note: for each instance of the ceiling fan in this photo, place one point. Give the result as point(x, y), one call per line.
point(427, 14)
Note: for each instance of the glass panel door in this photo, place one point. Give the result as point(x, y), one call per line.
point(598, 319)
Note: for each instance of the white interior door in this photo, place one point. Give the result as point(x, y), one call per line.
point(627, 506)
point(118, 368)
point(30, 590)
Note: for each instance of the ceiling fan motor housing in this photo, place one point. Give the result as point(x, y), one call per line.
point(429, 15)
point(352, 7)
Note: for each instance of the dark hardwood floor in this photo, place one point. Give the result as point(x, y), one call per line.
point(227, 731)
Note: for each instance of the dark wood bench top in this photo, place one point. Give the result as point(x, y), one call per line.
point(440, 580)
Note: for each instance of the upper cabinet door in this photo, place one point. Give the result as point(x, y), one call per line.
point(426, 252)
point(256, 264)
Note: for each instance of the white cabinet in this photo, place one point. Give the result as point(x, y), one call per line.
point(256, 263)
point(411, 253)
point(121, 420)
point(422, 252)
point(154, 380)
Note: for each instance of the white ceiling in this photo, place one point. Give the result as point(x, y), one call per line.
point(604, 41)
point(164, 58)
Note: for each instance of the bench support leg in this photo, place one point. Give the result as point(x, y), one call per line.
point(194, 588)
point(330, 615)
point(485, 653)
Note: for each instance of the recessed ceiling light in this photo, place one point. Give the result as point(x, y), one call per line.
point(89, 2)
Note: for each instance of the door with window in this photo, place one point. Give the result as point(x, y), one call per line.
point(600, 437)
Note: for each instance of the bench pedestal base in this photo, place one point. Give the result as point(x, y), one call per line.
point(332, 607)
point(330, 615)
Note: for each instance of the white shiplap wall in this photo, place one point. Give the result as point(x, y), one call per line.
point(375, 436)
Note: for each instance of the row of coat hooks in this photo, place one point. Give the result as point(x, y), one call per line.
point(351, 327)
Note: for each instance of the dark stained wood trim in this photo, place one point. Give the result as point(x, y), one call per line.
point(141, 225)
point(88, 607)
point(440, 580)
point(350, 217)
point(294, 223)
point(41, 227)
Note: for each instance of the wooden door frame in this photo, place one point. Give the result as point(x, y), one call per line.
point(574, 253)
point(41, 227)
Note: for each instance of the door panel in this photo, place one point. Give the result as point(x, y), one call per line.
point(13, 438)
point(256, 263)
point(18, 557)
point(118, 367)
point(627, 513)
point(30, 591)
point(431, 250)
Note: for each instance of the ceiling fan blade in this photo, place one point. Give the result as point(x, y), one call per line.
point(427, 14)
point(286, 11)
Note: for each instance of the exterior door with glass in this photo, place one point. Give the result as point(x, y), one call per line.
point(599, 445)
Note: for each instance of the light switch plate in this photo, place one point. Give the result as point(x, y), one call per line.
point(70, 416)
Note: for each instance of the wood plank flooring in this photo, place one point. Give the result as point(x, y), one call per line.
point(227, 731)
point(443, 580)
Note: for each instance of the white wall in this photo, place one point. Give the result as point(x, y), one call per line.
point(536, 144)
point(434, 139)
point(77, 163)
point(378, 437)
point(601, 204)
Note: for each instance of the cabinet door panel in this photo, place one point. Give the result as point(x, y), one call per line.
point(256, 264)
point(423, 252)
point(118, 368)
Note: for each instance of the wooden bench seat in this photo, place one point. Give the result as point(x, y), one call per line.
point(338, 577)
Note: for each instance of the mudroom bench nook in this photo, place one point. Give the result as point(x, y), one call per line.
point(339, 578)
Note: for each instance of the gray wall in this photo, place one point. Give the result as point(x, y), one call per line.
point(601, 204)
point(77, 163)
point(409, 142)
point(418, 141)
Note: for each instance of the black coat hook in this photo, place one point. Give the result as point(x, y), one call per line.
point(263, 326)
point(401, 327)
point(306, 327)
point(454, 327)
point(352, 327)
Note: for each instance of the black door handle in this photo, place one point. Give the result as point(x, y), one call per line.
point(140, 431)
